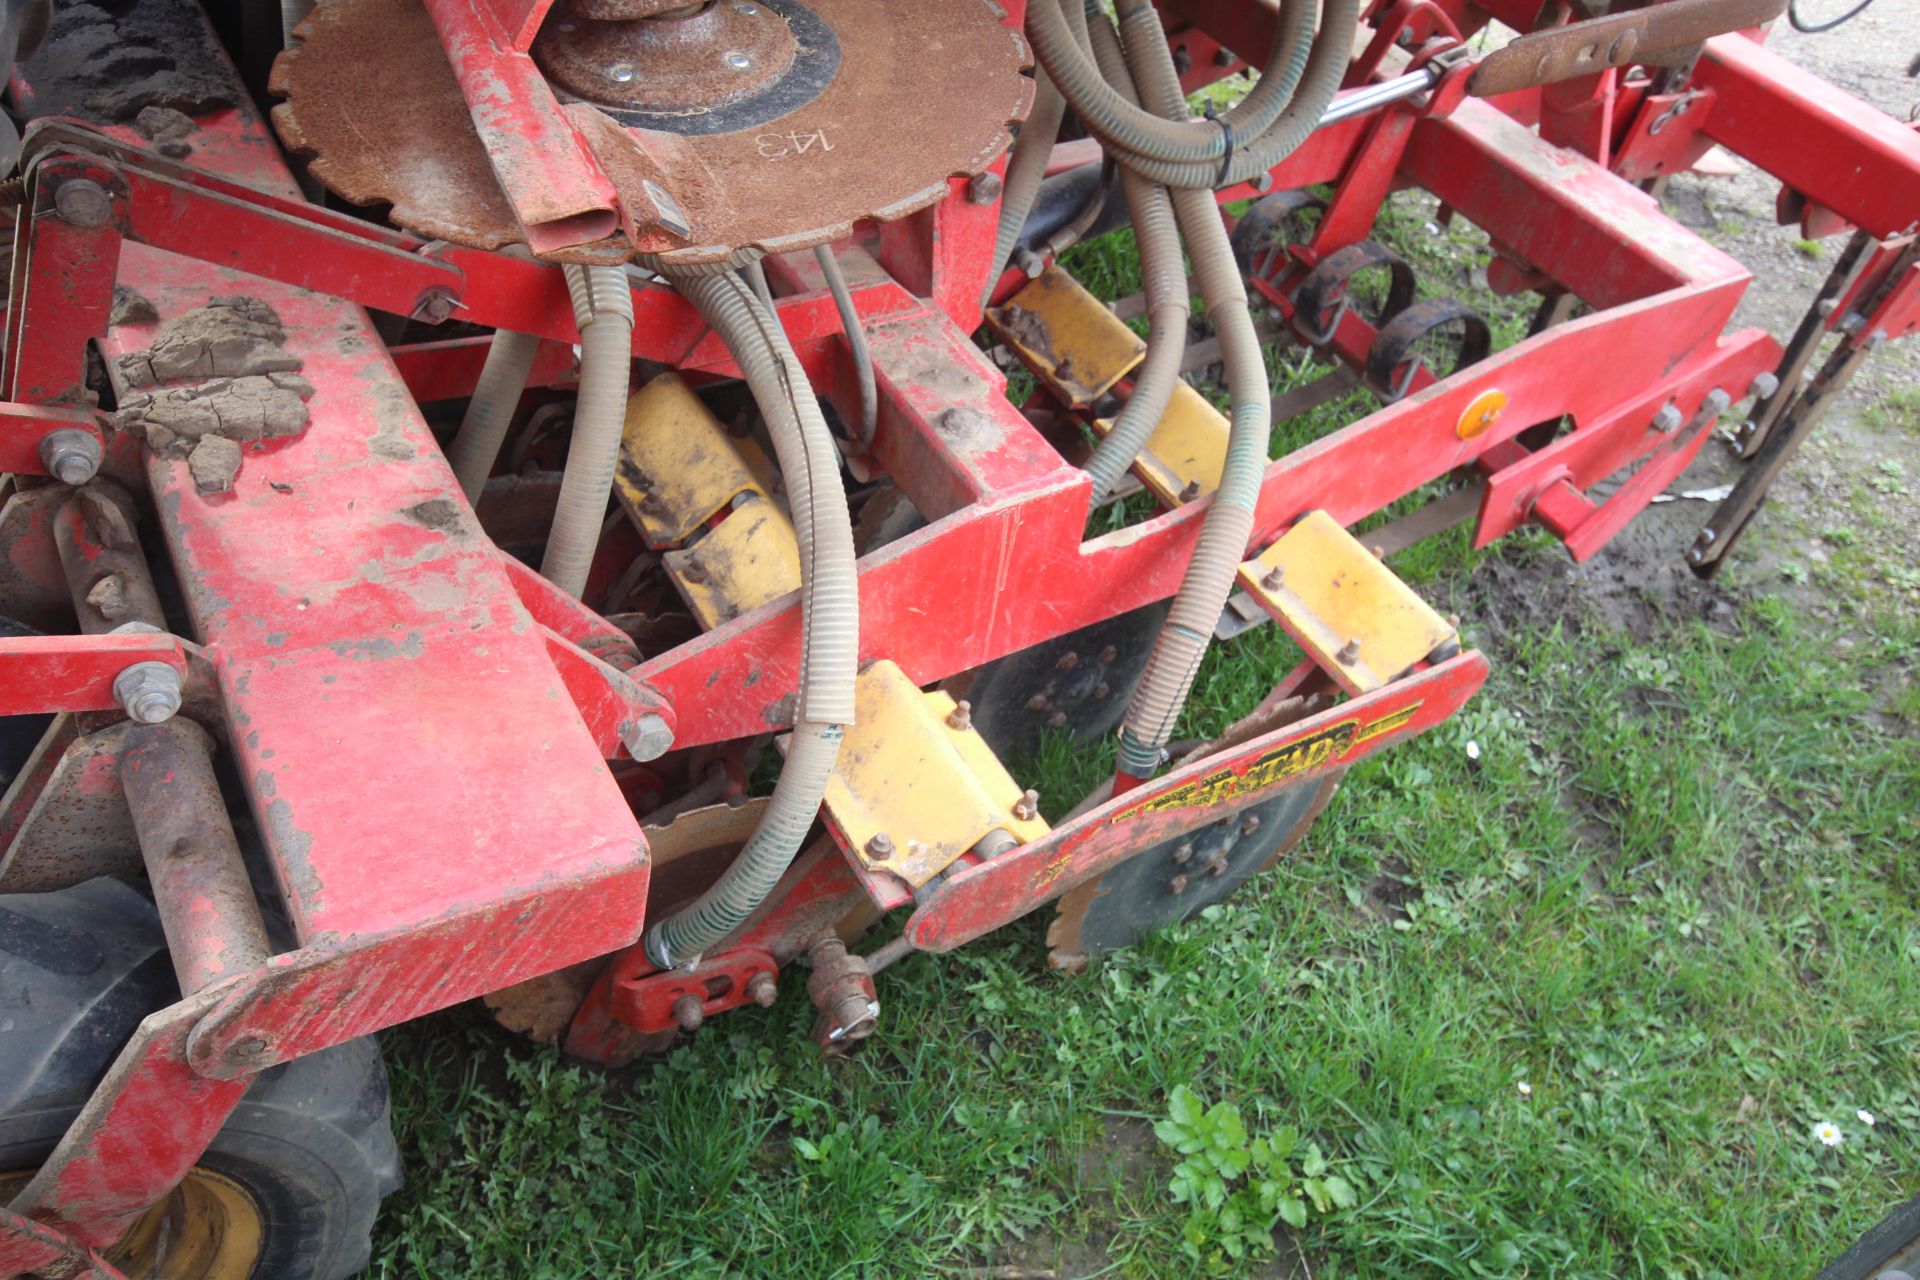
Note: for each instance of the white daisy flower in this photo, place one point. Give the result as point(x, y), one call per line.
point(1866, 1118)
point(1526, 1090)
point(1829, 1134)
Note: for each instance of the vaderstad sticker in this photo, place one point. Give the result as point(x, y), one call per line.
point(1295, 758)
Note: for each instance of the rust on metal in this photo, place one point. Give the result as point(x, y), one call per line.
point(1583, 48)
point(105, 566)
point(921, 93)
point(673, 62)
point(199, 880)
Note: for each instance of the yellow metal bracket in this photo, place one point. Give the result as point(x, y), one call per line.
point(1352, 614)
point(915, 786)
point(746, 560)
point(1184, 456)
point(1068, 337)
point(678, 466)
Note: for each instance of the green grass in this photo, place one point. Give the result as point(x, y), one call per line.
point(1674, 896)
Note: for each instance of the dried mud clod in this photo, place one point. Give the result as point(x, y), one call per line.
point(130, 307)
point(222, 379)
point(227, 338)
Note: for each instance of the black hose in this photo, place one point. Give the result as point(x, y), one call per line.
point(1815, 28)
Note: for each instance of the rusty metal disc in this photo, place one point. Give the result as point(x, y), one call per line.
point(918, 93)
point(1175, 879)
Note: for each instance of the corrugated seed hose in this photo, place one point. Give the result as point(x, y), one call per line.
point(1026, 170)
point(1193, 153)
point(829, 617)
point(1164, 280)
point(1228, 523)
point(603, 306)
point(503, 378)
point(1108, 112)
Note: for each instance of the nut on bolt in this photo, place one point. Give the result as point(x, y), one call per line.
point(1764, 384)
point(149, 692)
point(763, 990)
point(83, 202)
point(1668, 420)
point(961, 717)
point(1029, 806)
point(689, 1012)
point(647, 738)
point(881, 846)
point(984, 188)
point(70, 455)
point(435, 307)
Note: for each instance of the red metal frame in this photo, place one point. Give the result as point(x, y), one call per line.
point(424, 726)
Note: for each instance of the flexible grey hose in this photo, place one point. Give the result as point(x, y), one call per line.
point(1164, 282)
point(503, 377)
point(1026, 170)
point(756, 274)
point(856, 341)
point(1129, 129)
point(829, 618)
point(603, 306)
point(1326, 67)
point(1228, 524)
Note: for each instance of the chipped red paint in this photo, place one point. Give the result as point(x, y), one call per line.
point(75, 673)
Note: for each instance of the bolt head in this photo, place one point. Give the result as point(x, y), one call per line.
point(749, 9)
point(149, 692)
point(70, 455)
point(688, 1013)
point(83, 203)
point(1667, 420)
point(984, 188)
point(738, 60)
point(881, 845)
point(961, 717)
point(1177, 885)
point(251, 1050)
point(1068, 661)
point(763, 990)
point(647, 738)
point(1109, 653)
point(620, 73)
point(1764, 384)
point(1030, 263)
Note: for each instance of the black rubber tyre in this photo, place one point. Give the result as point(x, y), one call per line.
point(310, 1143)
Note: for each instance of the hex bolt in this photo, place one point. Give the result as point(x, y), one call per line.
point(1349, 653)
point(1038, 702)
point(984, 188)
point(1223, 57)
point(1183, 855)
point(647, 738)
point(1029, 807)
point(1190, 491)
point(881, 846)
point(1068, 661)
point(148, 692)
point(1058, 720)
point(689, 1012)
point(82, 202)
point(435, 307)
point(70, 455)
point(1715, 403)
point(763, 990)
point(1668, 420)
point(1177, 885)
point(1275, 579)
point(961, 717)
point(1030, 263)
point(1108, 654)
point(1764, 384)
point(1853, 322)
point(1217, 865)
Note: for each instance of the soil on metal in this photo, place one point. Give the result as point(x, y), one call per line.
point(108, 63)
point(228, 338)
point(222, 379)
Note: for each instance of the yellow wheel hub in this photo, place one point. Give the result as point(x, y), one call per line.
point(207, 1228)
